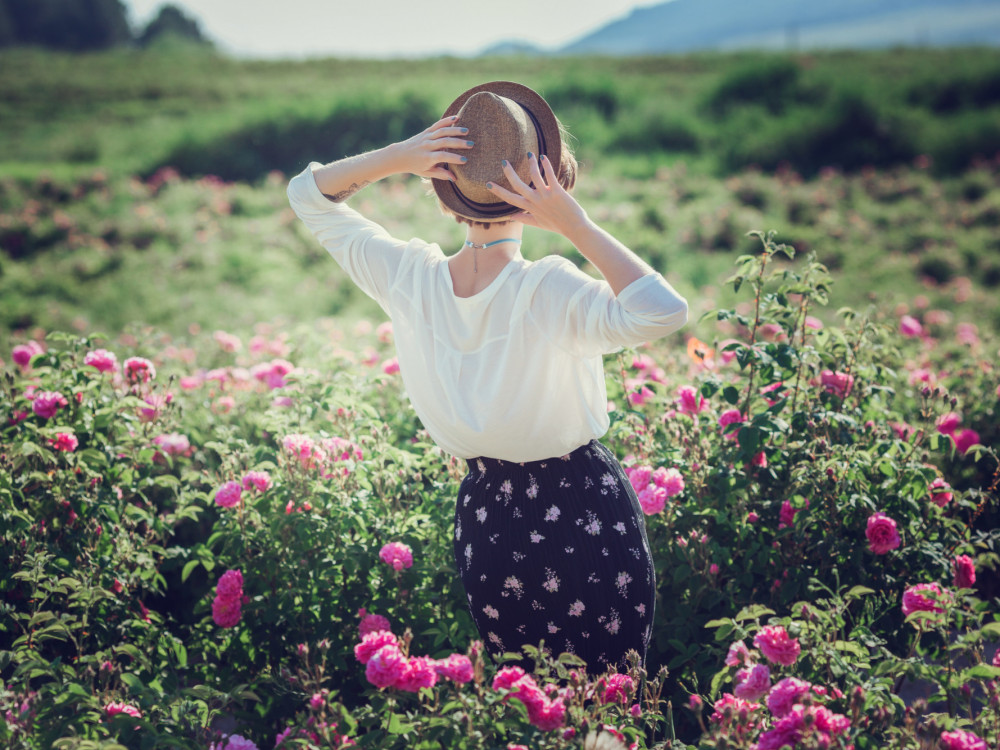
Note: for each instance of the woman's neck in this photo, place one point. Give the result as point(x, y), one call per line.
point(495, 256)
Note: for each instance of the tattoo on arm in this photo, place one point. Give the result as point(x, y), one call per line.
point(345, 194)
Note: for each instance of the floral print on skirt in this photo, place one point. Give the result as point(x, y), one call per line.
point(556, 550)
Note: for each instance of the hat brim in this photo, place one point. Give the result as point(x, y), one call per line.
point(550, 144)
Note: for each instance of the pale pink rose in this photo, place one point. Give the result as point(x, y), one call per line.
point(652, 499)
point(457, 668)
point(384, 332)
point(385, 666)
point(752, 682)
point(173, 444)
point(689, 400)
point(372, 623)
point(639, 476)
point(922, 375)
point(224, 404)
point(728, 417)
point(234, 742)
point(139, 370)
point(785, 694)
point(549, 716)
point(396, 554)
point(47, 403)
point(229, 494)
point(961, 739)
point(230, 585)
point(372, 642)
point(226, 612)
point(947, 423)
point(258, 480)
point(155, 404)
point(940, 492)
point(777, 647)
point(418, 673)
point(813, 323)
point(910, 326)
point(22, 353)
point(882, 534)
point(670, 480)
point(914, 599)
point(102, 359)
point(742, 722)
point(965, 572)
point(390, 366)
point(64, 441)
point(967, 333)
point(837, 383)
point(965, 440)
point(739, 655)
point(227, 341)
point(643, 362)
point(191, 382)
point(639, 396)
point(115, 707)
point(619, 688)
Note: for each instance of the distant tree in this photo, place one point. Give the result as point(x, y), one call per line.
point(171, 22)
point(71, 25)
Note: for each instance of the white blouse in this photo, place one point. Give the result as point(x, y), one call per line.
point(513, 372)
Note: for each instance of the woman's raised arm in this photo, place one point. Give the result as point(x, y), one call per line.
point(422, 155)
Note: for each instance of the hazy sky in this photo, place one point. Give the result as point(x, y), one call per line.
point(383, 28)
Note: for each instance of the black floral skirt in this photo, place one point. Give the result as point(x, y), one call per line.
point(556, 550)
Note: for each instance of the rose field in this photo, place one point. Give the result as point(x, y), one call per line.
point(222, 526)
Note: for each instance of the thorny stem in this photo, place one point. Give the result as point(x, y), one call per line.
point(804, 309)
point(758, 286)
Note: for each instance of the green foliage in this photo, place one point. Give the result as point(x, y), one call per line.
point(70, 25)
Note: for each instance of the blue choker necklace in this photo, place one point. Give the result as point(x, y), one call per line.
point(476, 246)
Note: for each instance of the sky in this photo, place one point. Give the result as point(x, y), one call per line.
point(387, 28)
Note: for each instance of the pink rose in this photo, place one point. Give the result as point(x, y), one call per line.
point(728, 417)
point(102, 360)
point(64, 441)
point(639, 476)
point(259, 480)
point(227, 341)
point(689, 400)
point(234, 742)
point(457, 668)
point(228, 495)
point(776, 646)
point(173, 444)
point(910, 326)
point(156, 403)
point(947, 423)
point(506, 677)
point(396, 554)
point(22, 353)
point(618, 689)
point(550, 715)
point(372, 642)
point(47, 403)
point(418, 673)
point(372, 623)
point(752, 517)
point(881, 533)
point(639, 396)
point(742, 722)
point(960, 739)
point(785, 694)
point(226, 612)
point(965, 440)
point(390, 366)
point(940, 492)
point(965, 572)
point(384, 332)
point(230, 585)
point(385, 667)
point(837, 383)
point(670, 480)
point(652, 499)
point(786, 516)
point(115, 707)
point(739, 655)
point(915, 601)
point(759, 459)
point(752, 682)
point(139, 370)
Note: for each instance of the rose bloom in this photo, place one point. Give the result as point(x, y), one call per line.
point(227, 341)
point(881, 533)
point(940, 492)
point(618, 688)
point(22, 353)
point(385, 666)
point(173, 443)
point(64, 441)
point(652, 499)
point(139, 370)
point(371, 623)
point(837, 383)
point(728, 417)
point(689, 400)
point(47, 403)
point(157, 402)
point(234, 742)
point(960, 739)
point(965, 572)
point(396, 554)
point(947, 423)
point(418, 673)
point(965, 440)
point(776, 646)
point(910, 326)
point(372, 642)
point(384, 332)
point(226, 612)
point(101, 359)
point(122, 708)
point(786, 516)
point(741, 723)
point(739, 655)
point(258, 480)
point(457, 668)
point(670, 480)
point(390, 366)
point(639, 476)
point(915, 601)
point(785, 694)
point(753, 682)
point(228, 494)
point(230, 585)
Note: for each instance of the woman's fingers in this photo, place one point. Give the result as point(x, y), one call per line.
point(450, 158)
point(444, 121)
point(451, 143)
point(536, 174)
point(504, 194)
point(514, 179)
point(439, 173)
point(446, 132)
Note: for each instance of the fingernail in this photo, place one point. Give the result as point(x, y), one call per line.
point(465, 158)
point(489, 185)
point(530, 155)
point(465, 130)
point(503, 162)
point(470, 143)
point(454, 117)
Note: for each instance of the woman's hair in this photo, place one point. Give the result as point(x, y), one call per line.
point(566, 178)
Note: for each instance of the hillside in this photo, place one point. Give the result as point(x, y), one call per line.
point(687, 25)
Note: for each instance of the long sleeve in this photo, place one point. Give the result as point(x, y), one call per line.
point(583, 315)
point(365, 250)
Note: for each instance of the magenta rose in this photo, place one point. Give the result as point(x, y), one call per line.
point(457, 668)
point(965, 572)
point(386, 666)
point(753, 683)
point(882, 534)
point(923, 597)
point(776, 645)
point(228, 495)
point(837, 383)
point(396, 554)
point(230, 585)
point(785, 694)
point(960, 739)
point(372, 642)
point(102, 360)
point(940, 492)
point(371, 623)
point(47, 403)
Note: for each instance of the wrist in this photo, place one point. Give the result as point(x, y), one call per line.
point(581, 227)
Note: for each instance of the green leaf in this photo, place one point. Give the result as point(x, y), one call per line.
point(188, 568)
point(991, 628)
point(731, 395)
point(856, 592)
point(396, 726)
point(753, 612)
point(980, 672)
point(850, 646)
point(132, 681)
point(717, 623)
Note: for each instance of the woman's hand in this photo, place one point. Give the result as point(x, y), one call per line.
point(423, 154)
point(547, 205)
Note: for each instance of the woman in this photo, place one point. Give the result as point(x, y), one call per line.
point(501, 359)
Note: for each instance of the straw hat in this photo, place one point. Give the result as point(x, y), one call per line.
point(505, 120)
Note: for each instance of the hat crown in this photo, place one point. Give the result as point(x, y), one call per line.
point(501, 129)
